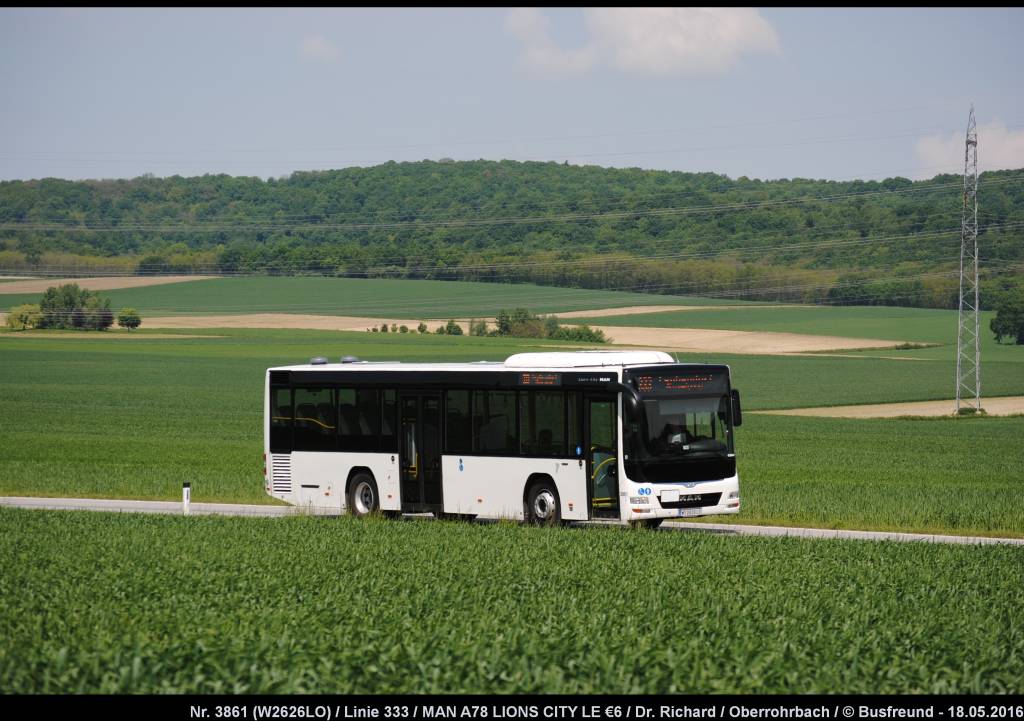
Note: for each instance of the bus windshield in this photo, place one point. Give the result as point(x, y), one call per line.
point(684, 429)
point(686, 426)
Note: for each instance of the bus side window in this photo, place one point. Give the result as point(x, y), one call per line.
point(575, 437)
point(458, 438)
point(316, 426)
point(494, 422)
point(358, 418)
point(280, 420)
point(542, 423)
point(389, 410)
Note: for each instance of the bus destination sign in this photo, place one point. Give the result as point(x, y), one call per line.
point(700, 382)
point(540, 379)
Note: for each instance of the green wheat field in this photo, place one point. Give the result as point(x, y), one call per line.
point(125, 603)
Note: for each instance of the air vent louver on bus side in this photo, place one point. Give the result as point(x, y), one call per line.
point(281, 473)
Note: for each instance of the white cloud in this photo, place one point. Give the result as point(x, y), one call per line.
point(657, 41)
point(319, 48)
point(539, 51)
point(664, 41)
point(999, 148)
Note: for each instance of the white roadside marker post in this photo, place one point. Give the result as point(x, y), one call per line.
point(186, 496)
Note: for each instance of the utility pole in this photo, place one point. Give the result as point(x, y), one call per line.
point(968, 338)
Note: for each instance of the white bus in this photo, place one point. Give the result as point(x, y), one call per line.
point(541, 437)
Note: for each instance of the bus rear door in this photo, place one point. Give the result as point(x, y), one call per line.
point(420, 451)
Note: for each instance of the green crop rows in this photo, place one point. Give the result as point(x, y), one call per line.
point(119, 603)
point(133, 417)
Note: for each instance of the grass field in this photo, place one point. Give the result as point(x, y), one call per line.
point(105, 603)
point(922, 325)
point(133, 417)
point(373, 297)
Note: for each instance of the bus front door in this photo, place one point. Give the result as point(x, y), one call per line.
point(600, 422)
point(420, 452)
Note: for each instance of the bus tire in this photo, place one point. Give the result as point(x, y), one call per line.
point(542, 505)
point(363, 498)
point(651, 523)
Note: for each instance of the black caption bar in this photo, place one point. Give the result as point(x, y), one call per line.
point(562, 708)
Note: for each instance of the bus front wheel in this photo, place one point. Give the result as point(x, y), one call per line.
point(362, 496)
point(542, 507)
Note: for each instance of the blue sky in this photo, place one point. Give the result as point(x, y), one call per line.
point(773, 93)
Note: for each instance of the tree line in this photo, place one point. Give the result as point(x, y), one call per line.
point(892, 241)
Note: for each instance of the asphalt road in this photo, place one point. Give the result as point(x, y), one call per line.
point(114, 505)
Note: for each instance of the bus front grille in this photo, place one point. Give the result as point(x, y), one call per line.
point(697, 500)
point(281, 473)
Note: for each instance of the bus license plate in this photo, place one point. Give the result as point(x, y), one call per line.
point(689, 512)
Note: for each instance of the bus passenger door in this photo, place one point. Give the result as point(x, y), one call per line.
point(600, 421)
point(420, 451)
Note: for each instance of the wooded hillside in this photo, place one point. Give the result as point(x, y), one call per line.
point(890, 241)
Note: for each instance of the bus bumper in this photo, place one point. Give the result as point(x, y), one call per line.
point(677, 500)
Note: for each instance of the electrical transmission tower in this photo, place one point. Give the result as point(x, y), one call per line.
point(968, 349)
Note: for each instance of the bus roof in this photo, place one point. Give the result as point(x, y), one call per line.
point(519, 361)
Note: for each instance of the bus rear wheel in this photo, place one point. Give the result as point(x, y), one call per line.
point(542, 506)
point(362, 496)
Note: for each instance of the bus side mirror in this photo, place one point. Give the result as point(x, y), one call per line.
point(737, 412)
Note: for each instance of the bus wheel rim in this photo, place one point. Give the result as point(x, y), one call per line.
point(364, 498)
point(544, 505)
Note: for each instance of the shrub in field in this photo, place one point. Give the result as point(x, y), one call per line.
point(24, 316)
point(522, 323)
point(68, 306)
point(478, 327)
point(582, 333)
point(452, 328)
point(422, 328)
point(129, 318)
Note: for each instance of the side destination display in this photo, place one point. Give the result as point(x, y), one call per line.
point(540, 379)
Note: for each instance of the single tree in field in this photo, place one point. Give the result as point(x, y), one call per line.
point(1009, 320)
point(24, 316)
point(422, 328)
point(453, 328)
point(129, 318)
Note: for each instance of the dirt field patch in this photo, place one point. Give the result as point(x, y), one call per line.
point(681, 339)
point(702, 340)
point(629, 310)
point(1005, 406)
point(639, 309)
point(39, 285)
